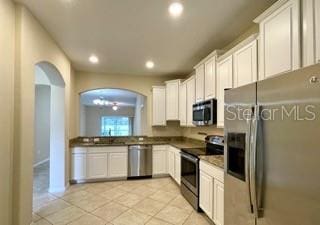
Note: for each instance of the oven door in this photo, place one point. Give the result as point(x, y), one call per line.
point(190, 172)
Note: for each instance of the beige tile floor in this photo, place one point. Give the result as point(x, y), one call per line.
point(151, 201)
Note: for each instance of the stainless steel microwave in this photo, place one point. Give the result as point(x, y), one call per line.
point(205, 113)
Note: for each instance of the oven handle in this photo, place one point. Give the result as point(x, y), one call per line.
point(189, 157)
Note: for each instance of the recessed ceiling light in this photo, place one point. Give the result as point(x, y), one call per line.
point(94, 59)
point(176, 9)
point(150, 64)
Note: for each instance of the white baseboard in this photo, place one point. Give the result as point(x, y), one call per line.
point(41, 162)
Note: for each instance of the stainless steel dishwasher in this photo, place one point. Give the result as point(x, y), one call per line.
point(140, 161)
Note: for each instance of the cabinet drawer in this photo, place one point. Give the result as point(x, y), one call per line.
point(159, 147)
point(79, 150)
point(213, 171)
point(107, 149)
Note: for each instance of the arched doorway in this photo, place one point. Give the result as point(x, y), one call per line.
point(50, 143)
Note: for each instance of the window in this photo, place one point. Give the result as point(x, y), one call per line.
point(116, 126)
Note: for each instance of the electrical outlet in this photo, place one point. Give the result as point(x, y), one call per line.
point(85, 140)
point(141, 139)
point(96, 139)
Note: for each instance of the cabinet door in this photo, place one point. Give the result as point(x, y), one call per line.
point(218, 199)
point(200, 83)
point(172, 100)
point(191, 99)
point(118, 164)
point(245, 65)
point(317, 27)
point(210, 79)
point(280, 40)
point(97, 165)
point(79, 167)
point(224, 81)
point(177, 167)
point(183, 104)
point(159, 162)
point(206, 193)
point(159, 106)
point(171, 163)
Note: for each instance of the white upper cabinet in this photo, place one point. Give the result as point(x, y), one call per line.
point(183, 104)
point(279, 41)
point(245, 65)
point(172, 100)
point(224, 81)
point(311, 32)
point(191, 99)
point(200, 71)
point(158, 106)
point(317, 27)
point(210, 78)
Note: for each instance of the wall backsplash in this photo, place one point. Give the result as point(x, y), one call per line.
point(172, 129)
point(193, 132)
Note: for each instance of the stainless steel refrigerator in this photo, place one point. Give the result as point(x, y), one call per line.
point(272, 151)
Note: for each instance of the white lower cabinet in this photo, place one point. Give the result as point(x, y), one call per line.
point(206, 198)
point(212, 192)
point(177, 166)
point(159, 164)
point(171, 161)
point(218, 201)
point(117, 164)
point(97, 165)
point(79, 166)
point(174, 161)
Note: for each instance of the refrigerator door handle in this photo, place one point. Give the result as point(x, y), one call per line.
point(253, 162)
point(248, 161)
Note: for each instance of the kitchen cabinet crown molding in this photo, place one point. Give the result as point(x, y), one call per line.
point(239, 46)
point(216, 53)
point(161, 87)
point(173, 81)
point(270, 11)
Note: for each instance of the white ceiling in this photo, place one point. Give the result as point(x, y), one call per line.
point(124, 34)
point(121, 97)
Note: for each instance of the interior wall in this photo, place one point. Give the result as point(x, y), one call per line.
point(33, 45)
point(42, 124)
point(141, 84)
point(139, 121)
point(7, 46)
point(93, 116)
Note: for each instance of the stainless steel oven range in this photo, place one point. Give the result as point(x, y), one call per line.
point(190, 167)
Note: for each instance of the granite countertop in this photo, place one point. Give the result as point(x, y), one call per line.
point(180, 143)
point(216, 160)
